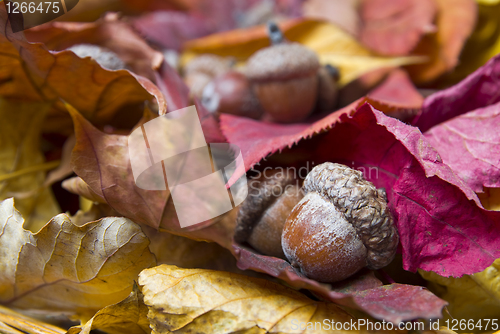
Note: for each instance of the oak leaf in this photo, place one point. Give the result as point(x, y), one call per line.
point(68, 268)
point(128, 316)
point(225, 302)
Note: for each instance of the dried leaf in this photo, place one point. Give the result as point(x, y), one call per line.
point(394, 302)
point(441, 223)
point(103, 162)
point(470, 145)
point(32, 73)
point(128, 316)
point(22, 164)
point(225, 302)
point(455, 22)
point(333, 45)
point(109, 32)
point(12, 322)
point(490, 199)
point(469, 297)
point(394, 28)
point(68, 268)
point(478, 90)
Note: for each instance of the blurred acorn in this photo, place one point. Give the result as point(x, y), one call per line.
point(285, 79)
point(328, 77)
point(202, 69)
point(231, 93)
point(104, 57)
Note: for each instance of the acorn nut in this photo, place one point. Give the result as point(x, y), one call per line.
point(285, 79)
point(262, 215)
point(340, 226)
point(231, 93)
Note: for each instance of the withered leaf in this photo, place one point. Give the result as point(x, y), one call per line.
point(68, 268)
point(22, 164)
point(103, 162)
point(224, 302)
point(31, 72)
point(128, 316)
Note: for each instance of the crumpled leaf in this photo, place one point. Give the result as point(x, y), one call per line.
point(102, 161)
point(455, 22)
point(128, 316)
point(333, 45)
point(225, 302)
point(109, 32)
point(441, 223)
point(12, 322)
point(68, 268)
point(22, 164)
point(32, 73)
point(394, 28)
point(478, 90)
point(393, 302)
point(470, 145)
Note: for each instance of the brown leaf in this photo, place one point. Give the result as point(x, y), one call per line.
point(394, 28)
point(128, 316)
point(103, 162)
point(109, 32)
point(455, 22)
point(68, 268)
point(233, 302)
point(22, 164)
point(32, 73)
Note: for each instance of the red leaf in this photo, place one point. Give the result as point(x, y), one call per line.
point(480, 89)
point(395, 27)
point(442, 225)
point(470, 145)
point(394, 302)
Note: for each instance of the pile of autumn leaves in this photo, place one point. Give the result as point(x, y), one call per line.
point(84, 266)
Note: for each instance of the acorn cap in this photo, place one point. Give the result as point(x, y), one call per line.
point(282, 62)
point(258, 200)
point(363, 206)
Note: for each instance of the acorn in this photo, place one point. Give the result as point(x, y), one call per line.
point(262, 215)
point(284, 78)
point(231, 93)
point(202, 69)
point(328, 77)
point(340, 226)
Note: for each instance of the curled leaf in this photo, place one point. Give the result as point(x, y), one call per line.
point(69, 268)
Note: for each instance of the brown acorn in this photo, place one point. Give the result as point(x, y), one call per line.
point(340, 226)
point(285, 79)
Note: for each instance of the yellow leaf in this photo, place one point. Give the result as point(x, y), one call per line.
point(490, 199)
point(69, 268)
point(469, 297)
point(22, 164)
point(128, 316)
point(12, 322)
point(333, 45)
point(207, 301)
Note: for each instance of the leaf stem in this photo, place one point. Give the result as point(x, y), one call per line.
point(32, 169)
